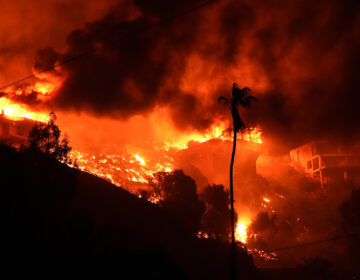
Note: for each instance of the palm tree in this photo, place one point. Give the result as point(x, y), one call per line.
point(240, 97)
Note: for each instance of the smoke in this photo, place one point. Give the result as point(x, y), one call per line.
point(299, 58)
point(280, 206)
point(27, 27)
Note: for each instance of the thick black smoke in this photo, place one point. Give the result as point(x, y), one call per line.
point(136, 72)
point(301, 59)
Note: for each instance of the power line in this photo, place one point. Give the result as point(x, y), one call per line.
point(105, 45)
point(314, 242)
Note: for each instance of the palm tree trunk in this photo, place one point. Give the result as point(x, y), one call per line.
point(232, 214)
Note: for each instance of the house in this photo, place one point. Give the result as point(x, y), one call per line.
point(328, 161)
point(15, 131)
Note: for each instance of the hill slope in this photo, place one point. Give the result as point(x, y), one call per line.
point(57, 220)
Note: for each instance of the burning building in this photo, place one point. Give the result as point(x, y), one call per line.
point(15, 131)
point(328, 161)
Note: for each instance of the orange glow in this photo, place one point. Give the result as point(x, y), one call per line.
point(217, 131)
point(140, 160)
point(264, 255)
point(131, 169)
point(123, 170)
point(241, 233)
point(17, 111)
point(251, 135)
point(44, 89)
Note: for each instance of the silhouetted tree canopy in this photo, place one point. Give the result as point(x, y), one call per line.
point(350, 213)
point(46, 138)
point(216, 219)
point(179, 197)
point(57, 220)
point(240, 97)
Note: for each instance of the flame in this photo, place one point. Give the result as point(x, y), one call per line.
point(15, 111)
point(44, 90)
point(123, 170)
point(251, 135)
point(128, 170)
point(131, 168)
point(241, 231)
point(140, 160)
point(219, 130)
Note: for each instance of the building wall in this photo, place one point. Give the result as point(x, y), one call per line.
point(15, 132)
point(328, 162)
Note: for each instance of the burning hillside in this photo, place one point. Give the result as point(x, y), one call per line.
point(130, 169)
point(135, 85)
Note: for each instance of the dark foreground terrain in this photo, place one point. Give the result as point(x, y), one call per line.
point(60, 222)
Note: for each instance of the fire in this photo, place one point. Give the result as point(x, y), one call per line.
point(241, 231)
point(15, 111)
point(252, 135)
point(140, 160)
point(126, 170)
point(44, 90)
point(219, 130)
point(130, 169)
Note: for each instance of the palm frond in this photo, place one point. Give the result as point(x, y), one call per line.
point(246, 102)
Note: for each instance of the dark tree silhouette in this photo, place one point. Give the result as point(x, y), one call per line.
point(217, 201)
point(179, 197)
point(46, 138)
point(240, 97)
point(350, 213)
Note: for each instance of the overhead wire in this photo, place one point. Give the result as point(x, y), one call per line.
point(112, 42)
point(352, 235)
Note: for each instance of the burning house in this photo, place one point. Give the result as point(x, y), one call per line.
point(328, 161)
point(15, 131)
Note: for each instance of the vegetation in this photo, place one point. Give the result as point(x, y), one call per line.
point(216, 199)
point(46, 138)
point(179, 197)
point(60, 221)
point(201, 214)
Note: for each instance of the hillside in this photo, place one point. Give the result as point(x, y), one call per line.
point(60, 220)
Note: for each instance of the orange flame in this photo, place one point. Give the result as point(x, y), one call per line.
point(241, 232)
point(16, 111)
point(216, 131)
point(122, 170)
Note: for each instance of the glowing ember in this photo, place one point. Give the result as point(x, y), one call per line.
point(267, 200)
point(125, 170)
point(263, 255)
